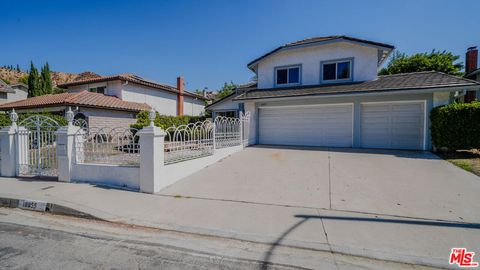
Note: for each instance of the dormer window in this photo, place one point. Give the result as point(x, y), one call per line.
point(337, 70)
point(285, 76)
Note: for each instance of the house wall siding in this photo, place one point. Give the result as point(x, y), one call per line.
point(193, 106)
point(163, 102)
point(364, 62)
point(10, 97)
point(113, 88)
point(98, 118)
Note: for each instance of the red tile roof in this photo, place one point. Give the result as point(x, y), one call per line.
point(84, 98)
point(133, 79)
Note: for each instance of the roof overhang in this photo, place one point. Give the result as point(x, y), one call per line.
point(367, 93)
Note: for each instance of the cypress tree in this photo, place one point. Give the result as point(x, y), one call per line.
point(46, 78)
point(33, 81)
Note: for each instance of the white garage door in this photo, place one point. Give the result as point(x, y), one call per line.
point(393, 125)
point(325, 125)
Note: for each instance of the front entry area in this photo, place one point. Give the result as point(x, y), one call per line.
point(315, 125)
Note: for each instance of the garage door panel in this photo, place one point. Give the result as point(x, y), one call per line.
point(392, 125)
point(329, 125)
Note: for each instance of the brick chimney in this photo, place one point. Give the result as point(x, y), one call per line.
point(471, 59)
point(471, 64)
point(180, 85)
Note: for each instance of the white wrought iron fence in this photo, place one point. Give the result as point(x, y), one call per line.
point(187, 142)
point(117, 146)
point(228, 132)
point(200, 139)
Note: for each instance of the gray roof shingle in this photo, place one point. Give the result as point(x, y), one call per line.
point(396, 82)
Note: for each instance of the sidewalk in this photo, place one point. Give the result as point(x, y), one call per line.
point(413, 241)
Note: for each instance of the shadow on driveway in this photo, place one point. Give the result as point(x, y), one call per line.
point(386, 152)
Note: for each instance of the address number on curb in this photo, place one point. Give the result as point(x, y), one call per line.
point(32, 205)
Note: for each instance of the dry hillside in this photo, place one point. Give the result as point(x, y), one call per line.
point(58, 77)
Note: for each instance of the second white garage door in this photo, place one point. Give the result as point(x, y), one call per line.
point(323, 125)
point(393, 125)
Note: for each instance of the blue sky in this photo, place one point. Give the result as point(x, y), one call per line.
point(210, 42)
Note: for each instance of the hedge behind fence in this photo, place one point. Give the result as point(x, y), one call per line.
point(165, 121)
point(5, 118)
point(456, 126)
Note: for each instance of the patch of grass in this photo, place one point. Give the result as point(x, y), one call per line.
point(468, 160)
point(178, 196)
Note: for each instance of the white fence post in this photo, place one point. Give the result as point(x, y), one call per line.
point(152, 156)
point(214, 136)
point(8, 146)
point(66, 148)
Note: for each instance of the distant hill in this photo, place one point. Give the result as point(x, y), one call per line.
point(12, 76)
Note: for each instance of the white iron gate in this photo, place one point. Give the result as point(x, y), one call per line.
point(37, 146)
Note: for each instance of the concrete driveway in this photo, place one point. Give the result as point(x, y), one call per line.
point(397, 183)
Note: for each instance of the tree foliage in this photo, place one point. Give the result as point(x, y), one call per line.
point(39, 84)
point(165, 121)
point(434, 61)
point(227, 89)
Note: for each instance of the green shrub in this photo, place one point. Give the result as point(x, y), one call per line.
point(165, 121)
point(456, 126)
point(5, 119)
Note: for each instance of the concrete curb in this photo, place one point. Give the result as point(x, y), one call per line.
point(50, 208)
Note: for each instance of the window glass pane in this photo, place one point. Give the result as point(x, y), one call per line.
point(329, 72)
point(294, 75)
point(101, 90)
point(343, 70)
point(282, 76)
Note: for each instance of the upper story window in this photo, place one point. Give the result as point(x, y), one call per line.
point(100, 90)
point(285, 76)
point(338, 70)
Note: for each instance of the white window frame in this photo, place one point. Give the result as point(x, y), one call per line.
point(299, 66)
point(336, 61)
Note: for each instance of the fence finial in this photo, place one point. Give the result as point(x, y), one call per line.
point(69, 116)
point(151, 116)
point(13, 117)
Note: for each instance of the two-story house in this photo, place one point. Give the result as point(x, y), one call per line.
point(325, 91)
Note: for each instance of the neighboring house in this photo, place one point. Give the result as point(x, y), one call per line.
point(472, 72)
point(325, 92)
point(12, 92)
point(114, 101)
point(165, 99)
point(98, 110)
point(226, 106)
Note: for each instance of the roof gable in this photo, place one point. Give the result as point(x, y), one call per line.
point(383, 49)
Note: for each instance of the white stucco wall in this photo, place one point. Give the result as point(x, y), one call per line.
point(193, 106)
point(163, 102)
point(250, 106)
point(109, 175)
point(364, 62)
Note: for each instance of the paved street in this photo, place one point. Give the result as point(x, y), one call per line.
point(31, 240)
